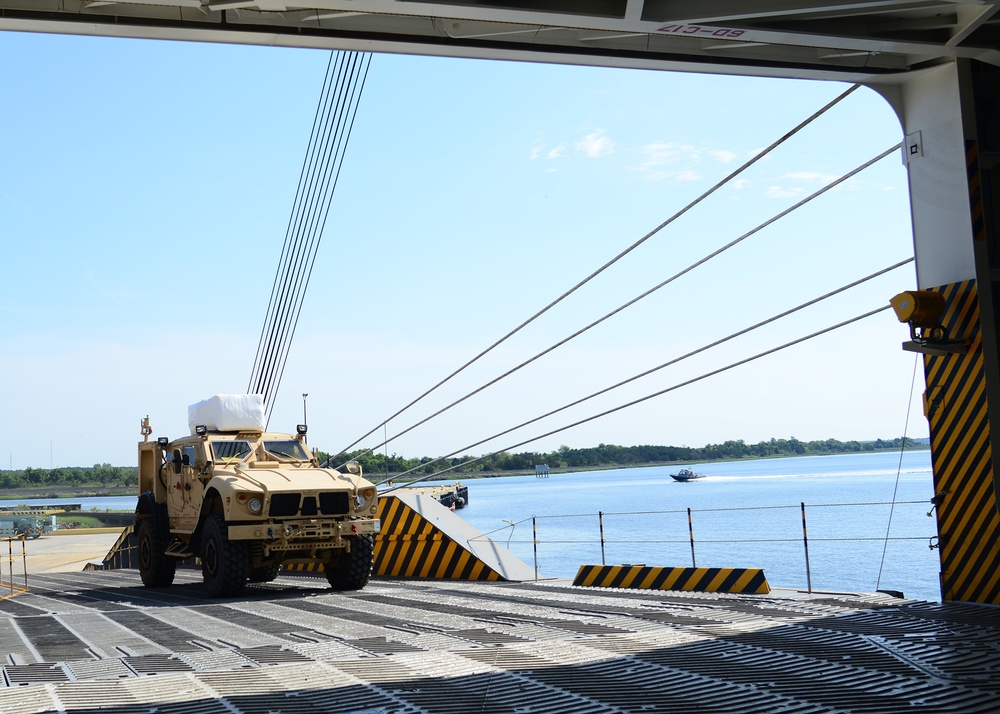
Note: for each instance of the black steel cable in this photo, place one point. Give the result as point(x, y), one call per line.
point(288, 229)
point(293, 234)
point(648, 292)
point(318, 201)
point(324, 213)
point(335, 114)
point(634, 401)
point(618, 257)
point(292, 282)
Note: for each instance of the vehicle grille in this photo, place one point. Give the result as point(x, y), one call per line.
point(328, 503)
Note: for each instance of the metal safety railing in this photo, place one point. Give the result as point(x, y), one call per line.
point(604, 541)
point(7, 586)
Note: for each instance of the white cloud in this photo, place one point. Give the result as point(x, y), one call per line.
point(783, 192)
point(811, 177)
point(667, 160)
point(740, 184)
point(556, 152)
point(596, 145)
point(535, 153)
point(721, 155)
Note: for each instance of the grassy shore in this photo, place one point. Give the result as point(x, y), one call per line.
point(23, 494)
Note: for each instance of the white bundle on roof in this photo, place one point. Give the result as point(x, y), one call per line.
point(228, 412)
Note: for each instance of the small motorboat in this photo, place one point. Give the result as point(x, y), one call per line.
point(686, 475)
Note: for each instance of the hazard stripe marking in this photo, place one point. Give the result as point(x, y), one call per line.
point(967, 518)
point(641, 577)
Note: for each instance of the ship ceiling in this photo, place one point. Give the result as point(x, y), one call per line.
point(836, 39)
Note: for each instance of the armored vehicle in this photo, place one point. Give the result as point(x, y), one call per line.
point(246, 502)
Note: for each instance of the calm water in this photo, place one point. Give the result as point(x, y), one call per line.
point(745, 514)
point(645, 519)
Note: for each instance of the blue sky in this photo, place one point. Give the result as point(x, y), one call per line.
point(146, 187)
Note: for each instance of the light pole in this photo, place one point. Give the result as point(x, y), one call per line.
point(304, 421)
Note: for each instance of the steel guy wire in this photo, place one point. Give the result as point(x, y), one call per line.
point(332, 174)
point(899, 468)
point(618, 257)
point(305, 240)
point(298, 189)
point(650, 291)
point(293, 235)
point(632, 403)
point(290, 230)
point(687, 355)
point(332, 126)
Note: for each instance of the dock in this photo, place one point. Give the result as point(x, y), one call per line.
point(78, 642)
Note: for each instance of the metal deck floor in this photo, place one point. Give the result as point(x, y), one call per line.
point(99, 641)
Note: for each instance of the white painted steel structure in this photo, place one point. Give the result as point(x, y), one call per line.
point(787, 38)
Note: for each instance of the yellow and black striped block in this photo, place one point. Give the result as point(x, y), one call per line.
point(644, 577)
point(420, 538)
point(413, 546)
point(956, 406)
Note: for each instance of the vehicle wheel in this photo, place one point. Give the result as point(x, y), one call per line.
point(156, 568)
point(351, 570)
point(224, 564)
point(265, 573)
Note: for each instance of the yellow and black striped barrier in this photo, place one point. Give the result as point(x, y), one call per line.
point(750, 581)
point(419, 538)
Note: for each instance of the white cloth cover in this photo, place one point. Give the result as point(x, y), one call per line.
point(228, 412)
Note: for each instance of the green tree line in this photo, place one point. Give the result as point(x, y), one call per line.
point(108, 476)
point(613, 455)
point(102, 475)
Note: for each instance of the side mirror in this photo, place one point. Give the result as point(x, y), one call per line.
point(176, 460)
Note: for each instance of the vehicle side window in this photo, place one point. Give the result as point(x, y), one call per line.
point(190, 456)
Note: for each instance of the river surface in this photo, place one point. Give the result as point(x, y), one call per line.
point(743, 514)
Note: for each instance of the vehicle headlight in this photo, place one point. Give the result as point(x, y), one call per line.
point(252, 502)
point(363, 497)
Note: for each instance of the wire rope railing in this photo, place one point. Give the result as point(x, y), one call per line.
point(684, 532)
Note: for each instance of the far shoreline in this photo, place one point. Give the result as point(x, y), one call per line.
point(70, 492)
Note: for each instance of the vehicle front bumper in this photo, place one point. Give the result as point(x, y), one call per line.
point(304, 534)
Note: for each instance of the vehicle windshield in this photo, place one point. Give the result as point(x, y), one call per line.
point(230, 450)
point(287, 449)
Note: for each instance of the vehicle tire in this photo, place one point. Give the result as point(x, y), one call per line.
point(351, 570)
point(224, 563)
point(265, 573)
point(156, 568)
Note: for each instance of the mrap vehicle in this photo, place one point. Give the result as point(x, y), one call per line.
point(247, 502)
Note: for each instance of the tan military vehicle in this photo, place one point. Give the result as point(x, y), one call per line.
point(247, 502)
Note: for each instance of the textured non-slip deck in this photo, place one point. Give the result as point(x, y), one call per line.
point(83, 642)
